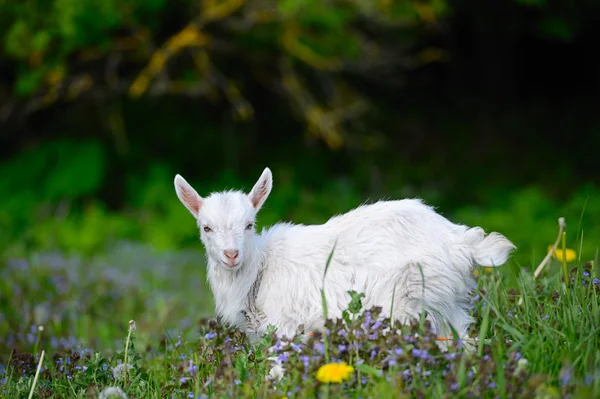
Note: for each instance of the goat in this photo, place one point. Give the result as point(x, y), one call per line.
point(400, 249)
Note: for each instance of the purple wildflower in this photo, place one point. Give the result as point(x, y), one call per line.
point(296, 347)
point(595, 281)
point(283, 357)
point(305, 360)
point(450, 356)
point(419, 353)
point(586, 273)
point(210, 335)
point(319, 348)
point(398, 351)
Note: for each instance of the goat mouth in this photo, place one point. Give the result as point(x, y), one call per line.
point(230, 265)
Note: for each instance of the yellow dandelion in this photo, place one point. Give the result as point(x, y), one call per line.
point(569, 254)
point(334, 372)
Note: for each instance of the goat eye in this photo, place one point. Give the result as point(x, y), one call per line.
point(207, 229)
point(249, 226)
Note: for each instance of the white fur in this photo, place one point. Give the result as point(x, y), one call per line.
point(403, 244)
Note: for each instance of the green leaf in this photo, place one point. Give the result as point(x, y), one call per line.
point(369, 370)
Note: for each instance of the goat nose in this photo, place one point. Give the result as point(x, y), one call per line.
point(231, 254)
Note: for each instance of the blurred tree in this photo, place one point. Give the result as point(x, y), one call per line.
point(304, 50)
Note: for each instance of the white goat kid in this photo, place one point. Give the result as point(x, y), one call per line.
point(390, 249)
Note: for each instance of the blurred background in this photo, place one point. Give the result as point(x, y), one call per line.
point(487, 110)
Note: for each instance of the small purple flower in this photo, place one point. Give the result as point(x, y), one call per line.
point(398, 351)
point(492, 385)
point(342, 333)
point(376, 325)
point(319, 348)
point(305, 360)
point(183, 380)
point(364, 380)
point(510, 315)
point(342, 348)
point(586, 273)
point(210, 335)
point(277, 347)
point(419, 353)
point(237, 382)
point(283, 357)
point(191, 395)
point(373, 336)
point(373, 354)
point(451, 356)
point(454, 387)
point(392, 363)
point(296, 347)
point(546, 317)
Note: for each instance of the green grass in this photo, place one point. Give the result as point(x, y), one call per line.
point(547, 347)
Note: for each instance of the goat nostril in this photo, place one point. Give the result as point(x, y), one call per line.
point(231, 253)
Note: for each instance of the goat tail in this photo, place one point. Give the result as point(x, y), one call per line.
point(488, 250)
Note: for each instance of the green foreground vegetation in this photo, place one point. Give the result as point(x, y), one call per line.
point(146, 311)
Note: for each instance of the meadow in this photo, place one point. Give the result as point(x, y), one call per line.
point(485, 110)
point(132, 321)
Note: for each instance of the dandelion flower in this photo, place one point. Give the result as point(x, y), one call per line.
point(112, 393)
point(119, 370)
point(569, 254)
point(334, 372)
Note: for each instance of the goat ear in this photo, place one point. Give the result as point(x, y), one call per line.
point(187, 195)
point(261, 189)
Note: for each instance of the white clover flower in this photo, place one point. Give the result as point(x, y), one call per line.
point(112, 393)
